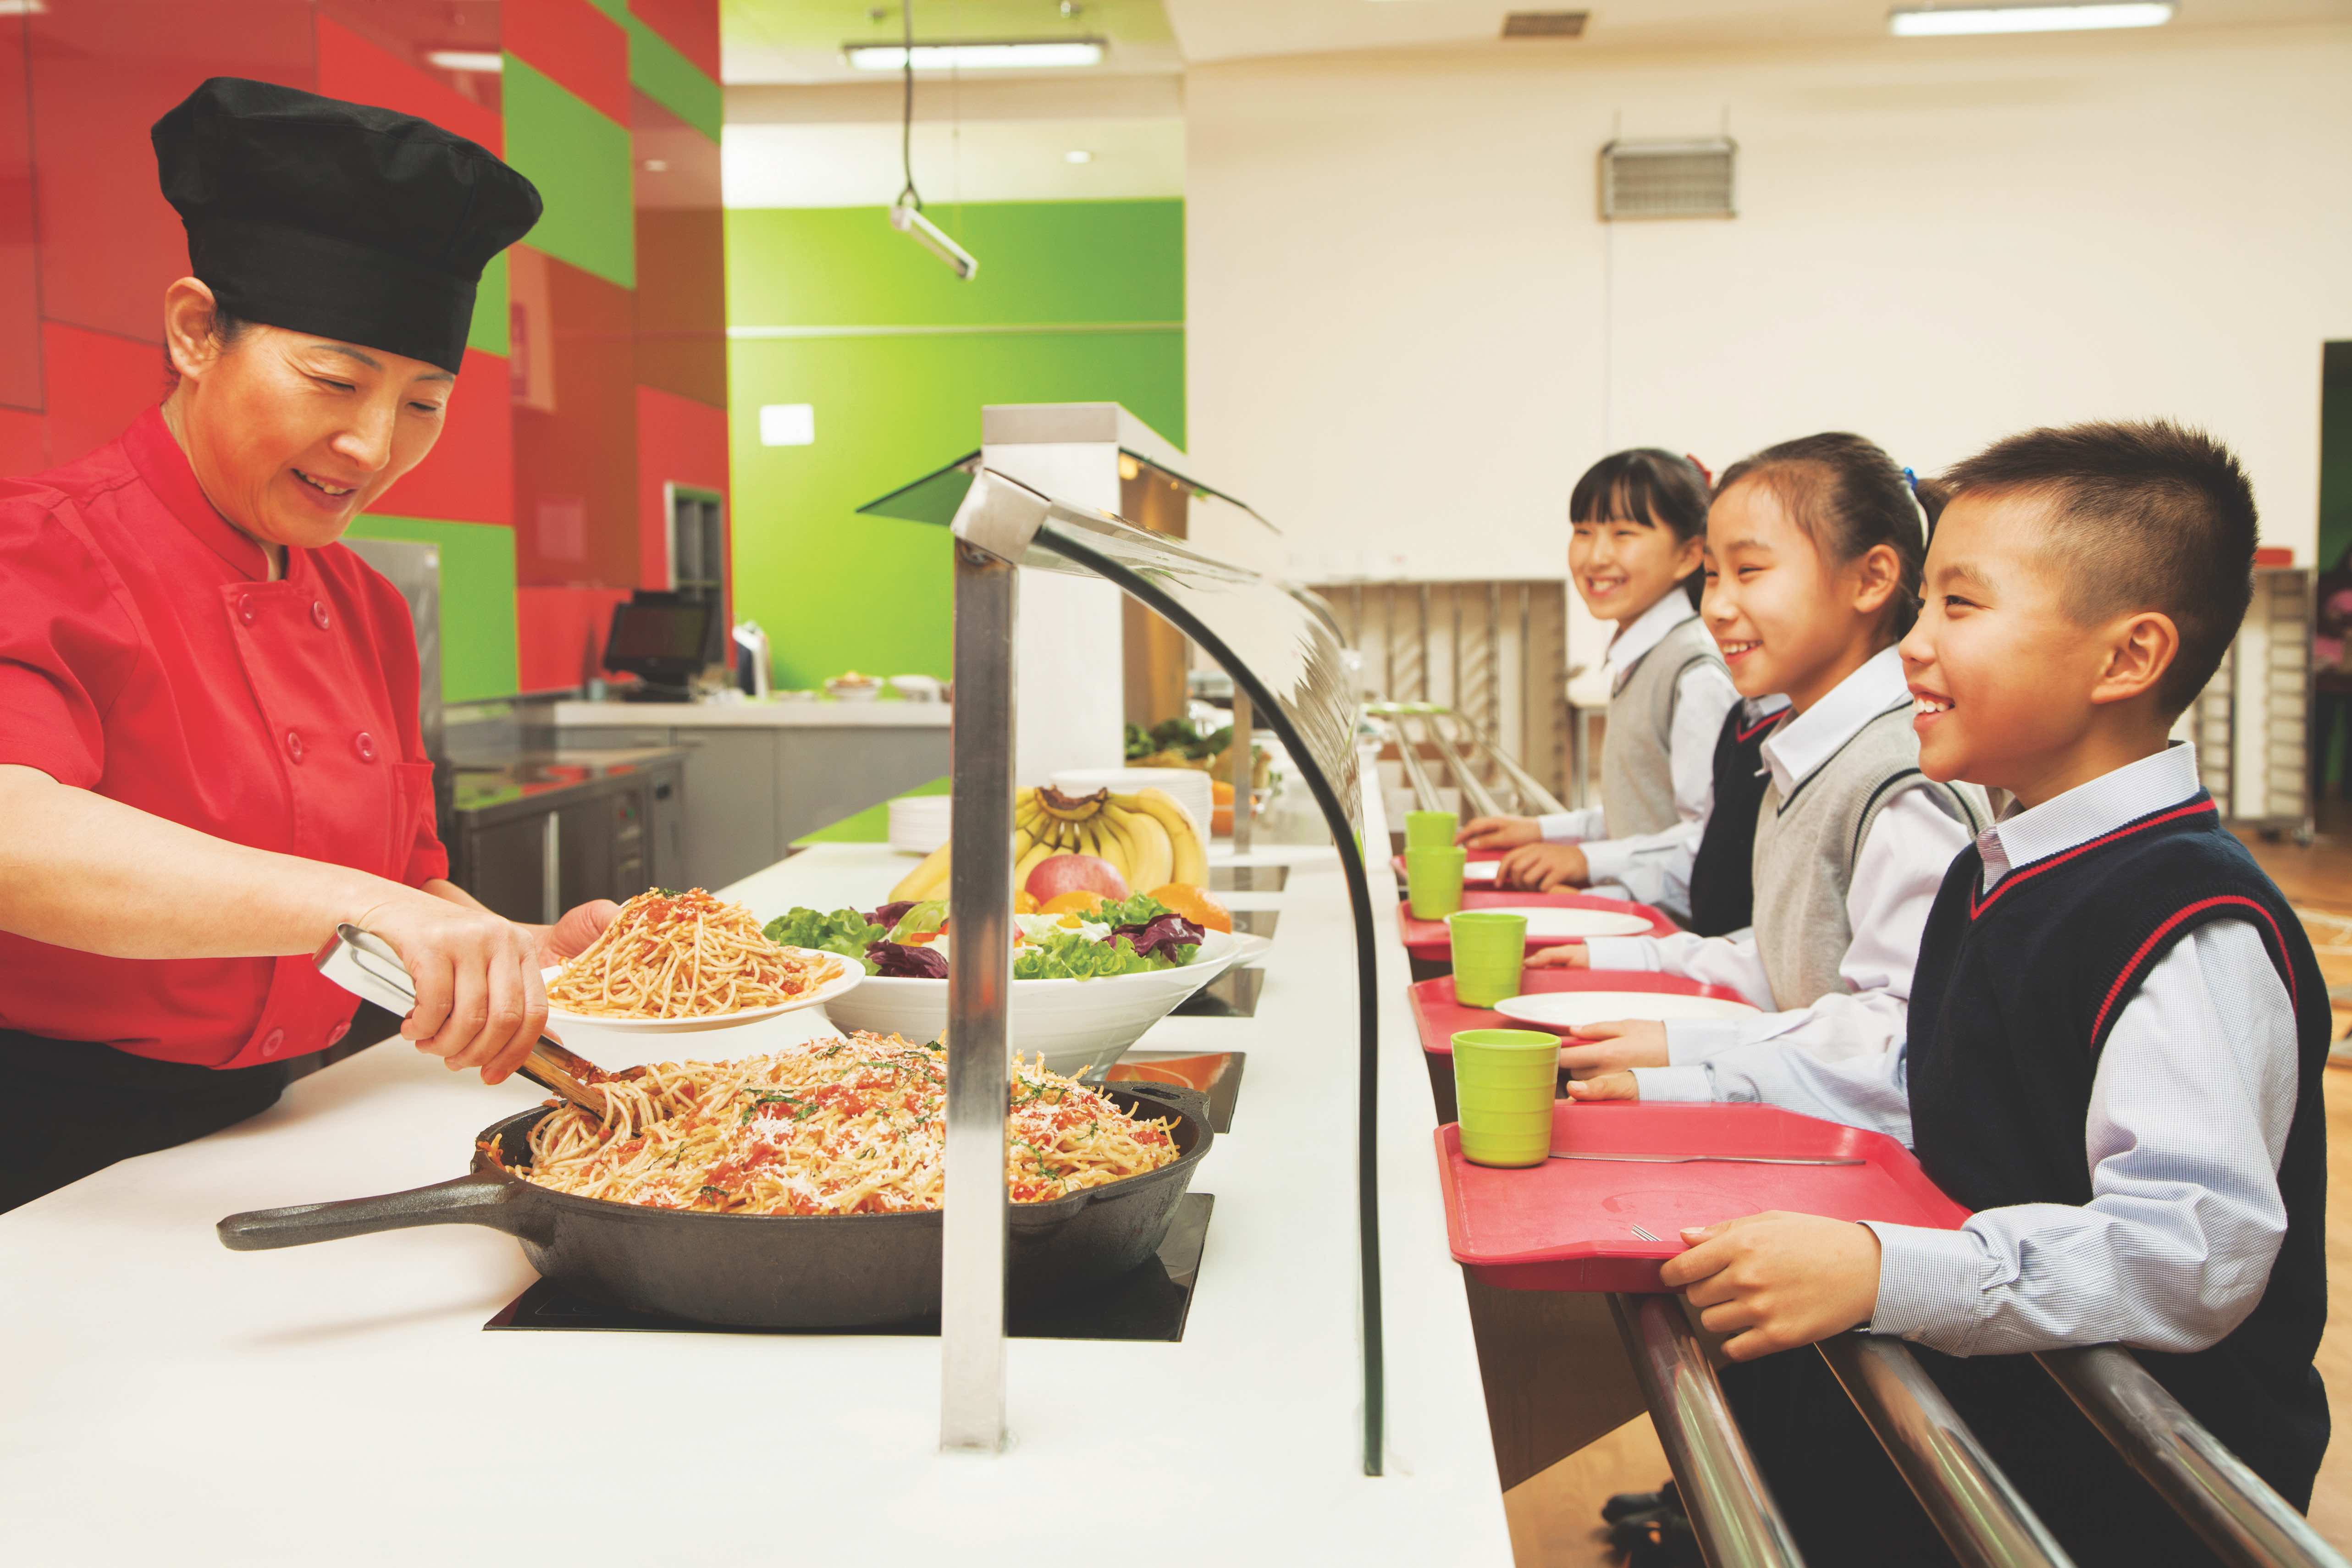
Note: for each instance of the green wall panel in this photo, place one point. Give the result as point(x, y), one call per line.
point(1039, 262)
point(670, 79)
point(489, 328)
point(581, 162)
point(478, 601)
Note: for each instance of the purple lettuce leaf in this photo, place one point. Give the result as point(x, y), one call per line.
point(1162, 937)
point(889, 915)
point(904, 960)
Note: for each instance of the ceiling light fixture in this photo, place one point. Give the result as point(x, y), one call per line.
point(485, 60)
point(1077, 155)
point(906, 211)
point(1934, 23)
point(1011, 54)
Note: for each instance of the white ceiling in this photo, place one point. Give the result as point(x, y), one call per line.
point(1210, 30)
point(856, 164)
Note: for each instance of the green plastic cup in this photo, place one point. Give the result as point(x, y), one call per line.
point(1432, 880)
point(1429, 829)
point(1505, 1081)
point(1489, 949)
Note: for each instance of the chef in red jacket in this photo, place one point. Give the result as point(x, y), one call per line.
point(209, 751)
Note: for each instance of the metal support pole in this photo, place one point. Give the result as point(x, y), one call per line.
point(1244, 773)
point(1534, 799)
point(1976, 1508)
point(1731, 1511)
point(980, 906)
point(2241, 1518)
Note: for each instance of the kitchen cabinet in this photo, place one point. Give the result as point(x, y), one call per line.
point(541, 833)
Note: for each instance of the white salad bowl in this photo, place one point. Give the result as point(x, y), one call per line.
point(1078, 1026)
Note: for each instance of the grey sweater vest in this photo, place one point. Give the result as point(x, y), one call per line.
point(1637, 773)
point(1806, 847)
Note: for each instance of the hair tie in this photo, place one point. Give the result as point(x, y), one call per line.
point(1706, 474)
point(1912, 479)
point(1926, 523)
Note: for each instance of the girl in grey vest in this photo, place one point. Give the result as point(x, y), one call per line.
point(1813, 553)
point(1634, 557)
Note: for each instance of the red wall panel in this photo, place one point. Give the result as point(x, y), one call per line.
point(350, 67)
point(690, 27)
point(560, 635)
point(20, 295)
point(23, 442)
point(469, 477)
point(101, 76)
point(680, 441)
point(575, 458)
point(98, 384)
point(582, 48)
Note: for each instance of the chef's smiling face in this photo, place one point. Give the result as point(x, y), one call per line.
point(291, 435)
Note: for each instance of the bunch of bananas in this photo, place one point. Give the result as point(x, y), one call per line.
point(1146, 836)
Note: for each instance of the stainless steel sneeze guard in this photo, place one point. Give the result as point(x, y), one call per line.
point(1282, 651)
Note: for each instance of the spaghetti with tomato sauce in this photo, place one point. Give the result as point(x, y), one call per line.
point(685, 955)
point(838, 1127)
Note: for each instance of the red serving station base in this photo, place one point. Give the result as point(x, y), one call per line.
point(1430, 942)
point(1571, 1224)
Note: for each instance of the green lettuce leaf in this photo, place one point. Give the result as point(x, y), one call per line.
point(844, 931)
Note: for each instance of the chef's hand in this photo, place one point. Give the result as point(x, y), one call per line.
point(1543, 867)
point(574, 934)
point(1497, 832)
point(1775, 1281)
point(479, 1003)
point(1568, 955)
point(1596, 1048)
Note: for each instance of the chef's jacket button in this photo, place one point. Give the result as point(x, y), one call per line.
point(364, 746)
point(319, 614)
point(339, 1031)
point(246, 608)
point(294, 744)
point(273, 1042)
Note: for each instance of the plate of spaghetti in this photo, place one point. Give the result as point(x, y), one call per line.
point(853, 1126)
point(689, 961)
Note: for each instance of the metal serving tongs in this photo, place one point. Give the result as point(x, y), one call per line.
point(365, 964)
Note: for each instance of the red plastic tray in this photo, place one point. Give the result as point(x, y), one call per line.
point(1439, 1016)
point(1568, 1224)
point(1429, 940)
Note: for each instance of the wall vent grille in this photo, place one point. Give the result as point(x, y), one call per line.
point(1667, 178)
point(1545, 24)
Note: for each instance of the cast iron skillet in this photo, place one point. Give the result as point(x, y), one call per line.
point(780, 1272)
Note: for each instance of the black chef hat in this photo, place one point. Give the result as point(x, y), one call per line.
point(353, 223)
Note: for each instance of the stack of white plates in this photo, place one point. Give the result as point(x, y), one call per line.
point(1189, 785)
point(919, 823)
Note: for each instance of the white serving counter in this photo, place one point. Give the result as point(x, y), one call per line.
point(165, 1401)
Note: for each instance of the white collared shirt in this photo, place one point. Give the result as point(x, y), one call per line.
point(1895, 878)
point(2188, 1119)
point(1655, 868)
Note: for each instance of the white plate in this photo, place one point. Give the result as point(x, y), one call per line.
point(852, 973)
point(1481, 870)
point(1572, 1009)
point(1556, 922)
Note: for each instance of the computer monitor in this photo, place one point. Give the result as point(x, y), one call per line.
point(662, 639)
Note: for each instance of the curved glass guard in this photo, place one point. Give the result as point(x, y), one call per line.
point(1284, 636)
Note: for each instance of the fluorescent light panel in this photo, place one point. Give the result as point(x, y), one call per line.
point(1959, 21)
point(1008, 54)
point(466, 59)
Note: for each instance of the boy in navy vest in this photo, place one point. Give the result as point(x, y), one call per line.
point(2116, 1038)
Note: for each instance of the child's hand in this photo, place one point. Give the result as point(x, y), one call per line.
point(1775, 1281)
point(1596, 1048)
point(1497, 832)
point(1608, 1086)
point(1543, 867)
point(1571, 956)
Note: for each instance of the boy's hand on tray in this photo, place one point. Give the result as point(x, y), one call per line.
point(1608, 1086)
point(1540, 867)
point(1497, 832)
point(1596, 1048)
point(1775, 1281)
point(1570, 956)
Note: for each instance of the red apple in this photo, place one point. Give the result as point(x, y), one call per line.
point(1074, 874)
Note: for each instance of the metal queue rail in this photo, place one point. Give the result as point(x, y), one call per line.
point(1974, 1506)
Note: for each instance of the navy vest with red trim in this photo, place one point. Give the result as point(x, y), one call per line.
point(2013, 998)
point(1723, 873)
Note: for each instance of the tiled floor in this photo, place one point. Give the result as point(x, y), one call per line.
point(1554, 1515)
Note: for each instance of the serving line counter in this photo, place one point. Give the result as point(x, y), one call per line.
point(165, 1400)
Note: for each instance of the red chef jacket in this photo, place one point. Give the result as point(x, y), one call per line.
point(144, 655)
